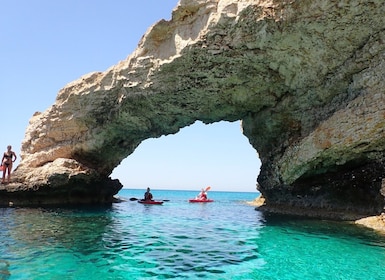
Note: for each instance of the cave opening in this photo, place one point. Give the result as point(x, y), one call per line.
point(198, 155)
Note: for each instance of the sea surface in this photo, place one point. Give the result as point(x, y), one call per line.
point(225, 239)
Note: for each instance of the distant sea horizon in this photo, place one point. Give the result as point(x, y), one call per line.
point(192, 189)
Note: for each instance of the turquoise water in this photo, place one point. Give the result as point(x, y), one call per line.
point(226, 239)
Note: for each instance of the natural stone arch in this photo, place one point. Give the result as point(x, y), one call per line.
point(305, 78)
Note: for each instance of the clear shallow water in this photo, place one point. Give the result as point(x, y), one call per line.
point(226, 239)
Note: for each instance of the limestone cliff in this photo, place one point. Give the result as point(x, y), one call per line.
point(305, 77)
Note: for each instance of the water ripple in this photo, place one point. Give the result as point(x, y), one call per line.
point(224, 240)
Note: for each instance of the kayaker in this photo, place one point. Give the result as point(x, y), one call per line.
point(202, 195)
point(147, 195)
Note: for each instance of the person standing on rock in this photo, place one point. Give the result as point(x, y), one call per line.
point(8, 159)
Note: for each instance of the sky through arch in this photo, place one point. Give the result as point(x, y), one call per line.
point(199, 155)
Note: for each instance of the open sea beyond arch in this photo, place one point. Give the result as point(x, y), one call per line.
point(225, 239)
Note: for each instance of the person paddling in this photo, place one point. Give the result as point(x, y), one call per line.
point(147, 195)
point(203, 194)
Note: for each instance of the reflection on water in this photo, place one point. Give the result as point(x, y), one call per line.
point(75, 230)
point(325, 229)
point(4, 271)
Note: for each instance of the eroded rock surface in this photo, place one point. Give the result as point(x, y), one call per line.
point(305, 77)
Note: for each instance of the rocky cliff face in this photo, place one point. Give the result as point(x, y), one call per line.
point(306, 78)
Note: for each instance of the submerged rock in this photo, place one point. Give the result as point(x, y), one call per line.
point(375, 222)
point(307, 80)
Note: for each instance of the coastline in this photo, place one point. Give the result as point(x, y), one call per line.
point(376, 223)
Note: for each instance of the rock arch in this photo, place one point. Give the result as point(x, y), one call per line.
point(305, 78)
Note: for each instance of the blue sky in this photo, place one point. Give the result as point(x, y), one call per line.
point(46, 44)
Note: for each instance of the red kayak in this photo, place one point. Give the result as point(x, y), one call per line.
point(150, 202)
point(200, 200)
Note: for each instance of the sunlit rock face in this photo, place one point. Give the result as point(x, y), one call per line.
point(305, 77)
